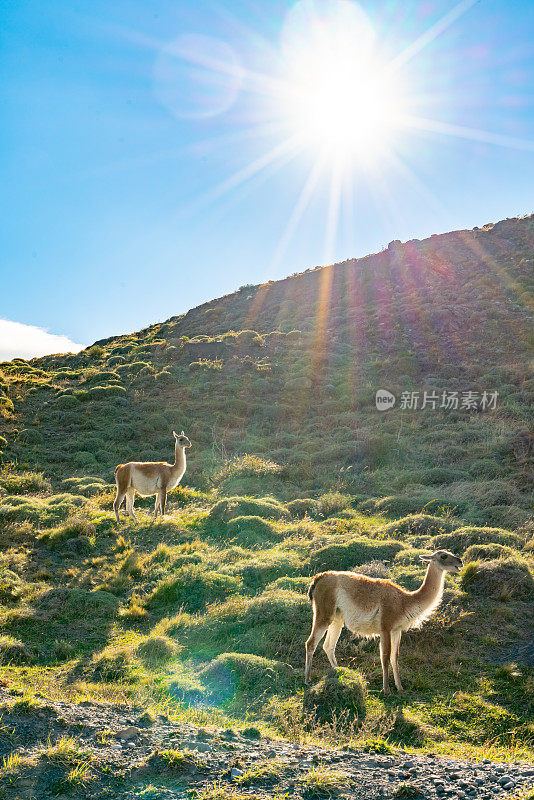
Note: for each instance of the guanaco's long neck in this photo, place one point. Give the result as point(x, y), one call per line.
point(430, 591)
point(179, 460)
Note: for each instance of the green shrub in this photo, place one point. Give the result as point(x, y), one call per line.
point(22, 508)
point(353, 553)
point(66, 401)
point(232, 507)
point(251, 531)
point(477, 720)
point(114, 664)
point(485, 468)
point(265, 568)
point(374, 569)
point(10, 585)
point(99, 376)
point(84, 618)
point(339, 697)
point(492, 550)
point(418, 525)
point(7, 408)
point(76, 500)
point(87, 486)
point(295, 584)
point(24, 482)
point(247, 339)
point(506, 516)
point(502, 579)
point(102, 392)
point(482, 493)
point(193, 589)
point(302, 507)
point(403, 505)
point(459, 540)
point(331, 502)
point(156, 649)
point(428, 477)
point(249, 674)
point(83, 459)
point(70, 529)
point(14, 652)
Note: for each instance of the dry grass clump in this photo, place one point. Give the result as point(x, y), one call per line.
point(12, 651)
point(459, 540)
point(504, 579)
point(232, 507)
point(156, 649)
point(340, 694)
point(418, 525)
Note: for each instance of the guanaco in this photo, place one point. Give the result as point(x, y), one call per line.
point(150, 477)
point(374, 607)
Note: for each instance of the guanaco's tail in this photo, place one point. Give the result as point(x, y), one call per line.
point(314, 583)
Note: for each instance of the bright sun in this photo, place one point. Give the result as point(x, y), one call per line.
point(336, 96)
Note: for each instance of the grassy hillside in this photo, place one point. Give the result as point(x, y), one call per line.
point(289, 370)
point(293, 470)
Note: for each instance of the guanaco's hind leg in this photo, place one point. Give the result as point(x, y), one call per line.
point(130, 498)
point(385, 653)
point(162, 501)
point(157, 505)
point(395, 645)
point(332, 635)
point(314, 638)
point(117, 502)
point(324, 614)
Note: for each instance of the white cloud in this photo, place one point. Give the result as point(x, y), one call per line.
point(28, 341)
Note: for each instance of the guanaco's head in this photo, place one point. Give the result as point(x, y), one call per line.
point(182, 439)
point(446, 561)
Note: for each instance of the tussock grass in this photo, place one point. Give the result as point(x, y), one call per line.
point(502, 578)
point(66, 751)
point(340, 694)
point(250, 675)
point(193, 589)
point(345, 556)
point(253, 530)
point(459, 540)
point(23, 483)
point(231, 507)
point(12, 651)
point(418, 525)
point(302, 507)
point(156, 649)
point(323, 782)
point(179, 760)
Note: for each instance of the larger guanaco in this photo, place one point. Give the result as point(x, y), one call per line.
point(374, 607)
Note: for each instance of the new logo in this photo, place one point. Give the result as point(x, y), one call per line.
point(384, 400)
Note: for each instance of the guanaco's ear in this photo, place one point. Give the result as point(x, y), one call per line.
point(175, 434)
point(182, 434)
point(425, 558)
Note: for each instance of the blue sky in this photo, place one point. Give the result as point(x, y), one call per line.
point(128, 194)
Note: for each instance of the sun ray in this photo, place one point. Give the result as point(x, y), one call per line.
point(334, 203)
point(410, 176)
point(297, 213)
point(284, 151)
point(432, 33)
point(463, 132)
